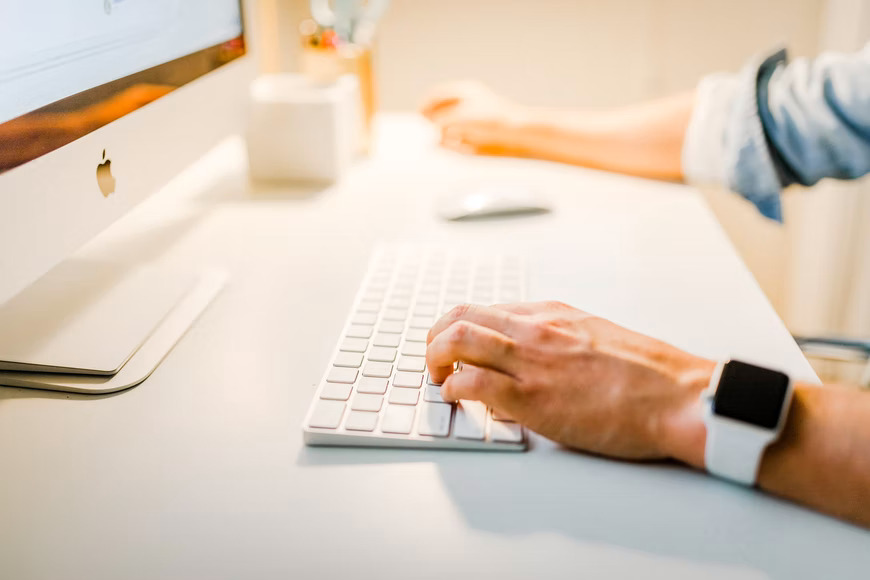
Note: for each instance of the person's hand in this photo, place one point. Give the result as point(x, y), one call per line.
point(577, 379)
point(474, 119)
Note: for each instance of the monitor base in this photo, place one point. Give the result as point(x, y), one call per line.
point(145, 360)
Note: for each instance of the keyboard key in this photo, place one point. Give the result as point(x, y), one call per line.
point(470, 420)
point(372, 385)
point(506, 432)
point(414, 348)
point(416, 335)
point(354, 345)
point(430, 380)
point(363, 402)
point(455, 297)
point(422, 322)
point(434, 420)
point(390, 340)
point(391, 327)
point(327, 414)
point(433, 394)
point(393, 314)
point(369, 306)
point(496, 416)
point(361, 421)
point(398, 419)
point(335, 391)
point(360, 331)
point(378, 369)
point(425, 310)
point(415, 364)
point(364, 318)
point(399, 304)
point(400, 396)
point(429, 298)
point(341, 375)
point(348, 359)
point(382, 354)
point(404, 379)
point(374, 296)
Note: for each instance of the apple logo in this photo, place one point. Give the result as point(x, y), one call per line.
point(104, 176)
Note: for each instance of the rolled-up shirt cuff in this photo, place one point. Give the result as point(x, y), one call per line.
point(725, 142)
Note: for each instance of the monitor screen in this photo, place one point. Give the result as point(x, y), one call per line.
point(69, 68)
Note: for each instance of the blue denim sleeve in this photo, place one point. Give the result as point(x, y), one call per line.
point(800, 122)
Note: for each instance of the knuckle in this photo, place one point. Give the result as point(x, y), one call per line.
point(476, 381)
point(459, 331)
point(522, 390)
point(459, 312)
point(540, 329)
point(509, 346)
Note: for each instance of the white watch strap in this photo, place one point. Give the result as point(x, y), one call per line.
point(733, 450)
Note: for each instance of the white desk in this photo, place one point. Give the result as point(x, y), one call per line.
point(200, 472)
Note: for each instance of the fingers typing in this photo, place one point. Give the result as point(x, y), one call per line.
point(491, 318)
point(478, 384)
point(468, 342)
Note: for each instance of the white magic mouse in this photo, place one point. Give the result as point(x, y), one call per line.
point(491, 200)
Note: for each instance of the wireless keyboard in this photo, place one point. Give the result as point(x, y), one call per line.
point(376, 391)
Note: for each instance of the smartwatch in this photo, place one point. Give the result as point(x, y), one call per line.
point(745, 408)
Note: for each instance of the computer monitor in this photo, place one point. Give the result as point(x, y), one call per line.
point(101, 103)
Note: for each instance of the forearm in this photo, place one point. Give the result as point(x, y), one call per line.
point(822, 458)
point(644, 140)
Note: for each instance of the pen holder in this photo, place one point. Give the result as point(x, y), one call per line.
point(301, 130)
point(325, 64)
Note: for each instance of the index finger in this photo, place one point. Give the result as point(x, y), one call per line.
point(492, 318)
point(473, 344)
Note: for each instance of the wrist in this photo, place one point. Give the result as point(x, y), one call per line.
point(557, 135)
point(523, 128)
point(684, 431)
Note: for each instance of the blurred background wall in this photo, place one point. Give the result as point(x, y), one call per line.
point(815, 269)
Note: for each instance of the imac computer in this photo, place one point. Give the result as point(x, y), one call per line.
point(101, 103)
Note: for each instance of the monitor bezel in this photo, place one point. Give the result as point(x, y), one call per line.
point(172, 74)
point(51, 206)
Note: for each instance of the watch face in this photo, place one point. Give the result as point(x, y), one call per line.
point(750, 394)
